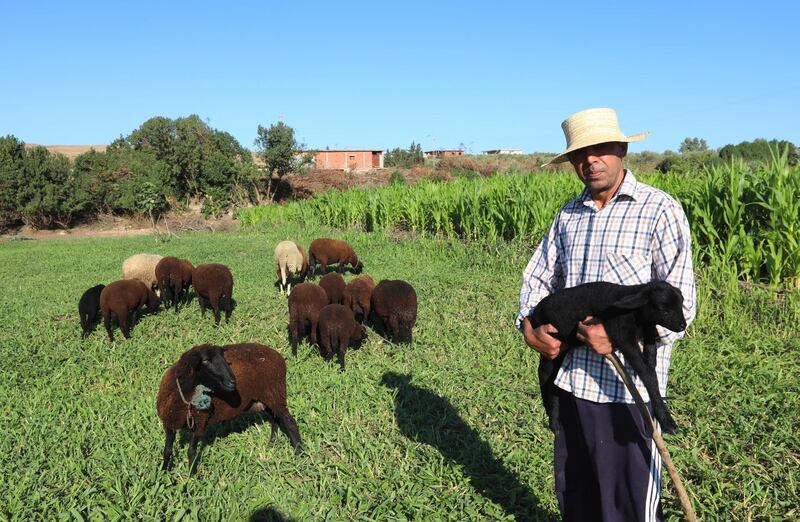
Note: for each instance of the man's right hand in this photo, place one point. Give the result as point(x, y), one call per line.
point(540, 339)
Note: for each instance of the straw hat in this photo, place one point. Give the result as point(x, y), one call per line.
point(591, 127)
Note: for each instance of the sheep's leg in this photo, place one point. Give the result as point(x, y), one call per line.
point(326, 341)
point(228, 306)
point(650, 380)
point(394, 326)
point(215, 306)
point(323, 266)
point(168, 443)
point(288, 288)
point(313, 333)
point(341, 267)
point(194, 457)
point(289, 425)
point(294, 332)
point(107, 324)
point(122, 319)
point(341, 351)
point(273, 425)
point(202, 305)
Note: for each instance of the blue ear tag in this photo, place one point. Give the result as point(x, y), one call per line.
point(201, 398)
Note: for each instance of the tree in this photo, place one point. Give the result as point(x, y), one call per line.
point(404, 158)
point(693, 145)
point(280, 152)
point(758, 150)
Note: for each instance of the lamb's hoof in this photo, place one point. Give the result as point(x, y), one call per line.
point(669, 427)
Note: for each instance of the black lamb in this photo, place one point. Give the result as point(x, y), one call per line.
point(89, 308)
point(628, 313)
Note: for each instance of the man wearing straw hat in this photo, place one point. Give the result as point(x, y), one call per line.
point(621, 231)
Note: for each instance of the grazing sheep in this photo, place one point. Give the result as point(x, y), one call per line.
point(328, 251)
point(394, 303)
point(337, 330)
point(143, 268)
point(213, 283)
point(211, 384)
point(304, 305)
point(89, 308)
point(357, 295)
point(334, 284)
point(121, 298)
point(174, 277)
point(628, 313)
point(290, 261)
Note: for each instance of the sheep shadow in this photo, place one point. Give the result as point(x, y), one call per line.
point(425, 417)
point(268, 514)
point(237, 425)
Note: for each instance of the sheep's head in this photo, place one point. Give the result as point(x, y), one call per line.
point(658, 303)
point(209, 364)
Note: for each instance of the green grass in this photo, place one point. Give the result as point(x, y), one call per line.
point(444, 429)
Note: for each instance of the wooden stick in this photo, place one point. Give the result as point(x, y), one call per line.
point(686, 504)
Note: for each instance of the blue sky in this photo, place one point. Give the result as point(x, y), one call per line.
point(379, 75)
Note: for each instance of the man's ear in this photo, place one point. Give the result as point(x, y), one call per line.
point(623, 149)
point(631, 301)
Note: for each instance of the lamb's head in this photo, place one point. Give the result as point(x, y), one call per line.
point(208, 361)
point(358, 266)
point(657, 303)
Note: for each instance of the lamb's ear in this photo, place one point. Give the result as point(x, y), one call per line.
point(195, 359)
point(631, 301)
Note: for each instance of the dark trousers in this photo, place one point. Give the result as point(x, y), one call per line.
point(606, 465)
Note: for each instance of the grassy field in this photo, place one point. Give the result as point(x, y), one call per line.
point(449, 428)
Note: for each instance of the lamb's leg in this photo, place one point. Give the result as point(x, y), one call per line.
point(170, 439)
point(228, 306)
point(341, 267)
point(548, 369)
point(394, 326)
point(273, 424)
point(122, 318)
point(650, 350)
point(635, 358)
point(313, 333)
point(288, 288)
point(202, 305)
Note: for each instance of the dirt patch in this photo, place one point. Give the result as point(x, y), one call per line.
point(115, 226)
point(301, 186)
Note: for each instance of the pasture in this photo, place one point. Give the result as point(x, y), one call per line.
point(449, 428)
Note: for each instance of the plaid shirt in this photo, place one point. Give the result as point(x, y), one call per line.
point(640, 235)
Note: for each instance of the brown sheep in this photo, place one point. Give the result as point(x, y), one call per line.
point(394, 304)
point(214, 283)
point(174, 277)
point(121, 298)
point(238, 378)
point(338, 329)
point(357, 296)
point(304, 305)
point(334, 284)
point(328, 251)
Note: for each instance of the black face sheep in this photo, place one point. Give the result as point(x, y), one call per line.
point(334, 285)
point(394, 304)
point(357, 296)
point(174, 278)
point(628, 313)
point(304, 305)
point(143, 268)
point(213, 284)
point(290, 261)
point(211, 384)
point(120, 299)
point(337, 330)
point(327, 251)
point(89, 308)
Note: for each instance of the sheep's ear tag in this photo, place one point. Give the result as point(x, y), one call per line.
point(201, 398)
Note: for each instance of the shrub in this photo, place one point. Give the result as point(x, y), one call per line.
point(397, 178)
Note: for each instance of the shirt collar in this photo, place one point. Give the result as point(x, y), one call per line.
point(629, 189)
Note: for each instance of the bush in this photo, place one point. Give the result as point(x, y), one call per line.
point(397, 178)
point(688, 162)
point(759, 151)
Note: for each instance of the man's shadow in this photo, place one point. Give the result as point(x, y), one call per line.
point(426, 417)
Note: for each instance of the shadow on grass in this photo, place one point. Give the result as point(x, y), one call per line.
point(430, 419)
point(268, 514)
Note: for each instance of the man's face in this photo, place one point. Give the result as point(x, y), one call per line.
point(599, 166)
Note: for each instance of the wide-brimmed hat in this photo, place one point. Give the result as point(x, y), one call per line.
point(591, 127)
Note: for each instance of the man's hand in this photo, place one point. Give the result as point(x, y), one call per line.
point(592, 333)
point(540, 339)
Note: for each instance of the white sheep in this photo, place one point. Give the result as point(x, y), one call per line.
point(143, 268)
point(290, 261)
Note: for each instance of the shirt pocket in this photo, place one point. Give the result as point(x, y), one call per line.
point(627, 269)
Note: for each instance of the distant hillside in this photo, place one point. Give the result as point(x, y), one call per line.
point(70, 151)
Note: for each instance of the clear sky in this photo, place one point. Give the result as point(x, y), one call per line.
point(379, 74)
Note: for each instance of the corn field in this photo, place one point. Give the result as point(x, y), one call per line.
point(745, 221)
